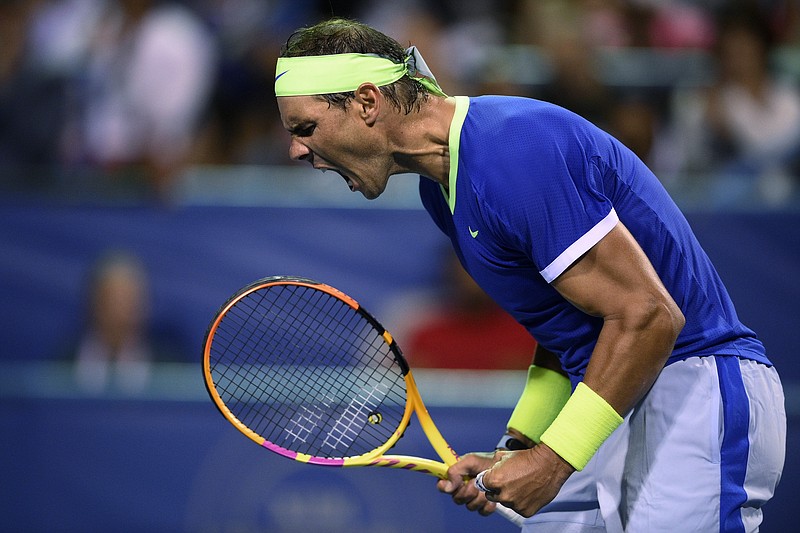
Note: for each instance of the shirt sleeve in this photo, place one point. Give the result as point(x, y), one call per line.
point(547, 193)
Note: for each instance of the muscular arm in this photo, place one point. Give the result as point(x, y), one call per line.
point(614, 280)
point(641, 321)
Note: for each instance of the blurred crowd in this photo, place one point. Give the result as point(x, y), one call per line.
point(122, 96)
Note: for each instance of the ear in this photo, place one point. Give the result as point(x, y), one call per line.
point(368, 99)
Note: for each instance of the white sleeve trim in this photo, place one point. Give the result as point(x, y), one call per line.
point(580, 247)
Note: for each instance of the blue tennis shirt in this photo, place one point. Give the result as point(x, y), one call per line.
point(532, 187)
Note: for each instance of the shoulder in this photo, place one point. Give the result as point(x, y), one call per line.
point(498, 112)
point(525, 131)
point(525, 142)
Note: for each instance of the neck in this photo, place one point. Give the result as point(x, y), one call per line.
point(421, 140)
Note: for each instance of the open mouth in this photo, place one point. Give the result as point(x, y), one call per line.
point(350, 183)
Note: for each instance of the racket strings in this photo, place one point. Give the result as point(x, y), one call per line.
point(307, 372)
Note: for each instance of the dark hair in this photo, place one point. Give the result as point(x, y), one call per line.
point(343, 36)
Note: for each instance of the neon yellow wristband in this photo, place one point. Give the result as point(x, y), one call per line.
point(581, 427)
point(545, 394)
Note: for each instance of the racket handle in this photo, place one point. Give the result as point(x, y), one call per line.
point(510, 515)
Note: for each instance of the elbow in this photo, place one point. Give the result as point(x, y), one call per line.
point(656, 320)
point(676, 320)
point(665, 318)
point(655, 324)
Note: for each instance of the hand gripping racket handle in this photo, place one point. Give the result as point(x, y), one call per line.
point(504, 511)
point(448, 455)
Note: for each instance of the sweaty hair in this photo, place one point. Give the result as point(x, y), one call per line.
point(343, 36)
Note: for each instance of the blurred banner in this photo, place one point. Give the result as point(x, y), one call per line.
point(197, 256)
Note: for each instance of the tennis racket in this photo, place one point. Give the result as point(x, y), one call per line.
point(304, 371)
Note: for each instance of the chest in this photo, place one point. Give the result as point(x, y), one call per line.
point(501, 268)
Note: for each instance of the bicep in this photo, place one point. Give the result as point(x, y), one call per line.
point(615, 280)
point(614, 275)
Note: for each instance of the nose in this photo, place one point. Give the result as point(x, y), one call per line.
point(298, 151)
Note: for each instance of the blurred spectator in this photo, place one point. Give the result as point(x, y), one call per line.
point(32, 102)
point(117, 349)
point(784, 17)
point(149, 72)
point(638, 119)
point(599, 23)
point(672, 23)
point(633, 121)
point(679, 24)
point(745, 129)
point(575, 83)
point(569, 34)
point(465, 328)
point(423, 25)
point(118, 96)
point(241, 124)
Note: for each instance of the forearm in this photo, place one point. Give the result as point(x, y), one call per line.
point(630, 353)
point(615, 281)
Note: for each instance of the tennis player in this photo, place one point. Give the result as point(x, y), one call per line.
point(649, 406)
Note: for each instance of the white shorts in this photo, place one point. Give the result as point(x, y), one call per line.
point(703, 451)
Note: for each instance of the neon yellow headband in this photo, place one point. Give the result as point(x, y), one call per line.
point(341, 73)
